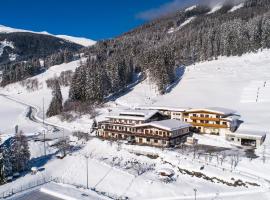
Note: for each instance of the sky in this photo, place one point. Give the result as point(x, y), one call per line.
point(94, 19)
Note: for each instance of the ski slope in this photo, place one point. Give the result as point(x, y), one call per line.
point(239, 83)
point(241, 5)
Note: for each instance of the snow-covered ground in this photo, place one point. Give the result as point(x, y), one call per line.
point(232, 82)
point(120, 170)
point(239, 83)
point(16, 112)
point(12, 114)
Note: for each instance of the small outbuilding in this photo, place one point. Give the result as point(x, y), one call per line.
point(247, 138)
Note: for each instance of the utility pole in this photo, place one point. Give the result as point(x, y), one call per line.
point(44, 141)
point(44, 145)
point(195, 193)
point(87, 157)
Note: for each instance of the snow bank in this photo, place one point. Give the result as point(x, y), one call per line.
point(68, 192)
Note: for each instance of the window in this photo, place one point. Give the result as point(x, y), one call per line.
point(202, 115)
point(148, 139)
point(194, 115)
point(146, 131)
point(224, 123)
point(217, 122)
point(207, 116)
point(156, 132)
point(185, 120)
point(155, 141)
point(232, 139)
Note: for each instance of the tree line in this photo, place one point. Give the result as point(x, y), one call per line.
point(14, 156)
point(152, 50)
point(21, 70)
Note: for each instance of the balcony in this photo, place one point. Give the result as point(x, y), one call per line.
point(209, 125)
point(205, 118)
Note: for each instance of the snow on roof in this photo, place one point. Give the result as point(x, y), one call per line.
point(250, 133)
point(220, 110)
point(166, 108)
point(232, 117)
point(137, 114)
point(169, 124)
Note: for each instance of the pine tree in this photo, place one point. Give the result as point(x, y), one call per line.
point(20, 153)
point(2, 176)
point(56, 105)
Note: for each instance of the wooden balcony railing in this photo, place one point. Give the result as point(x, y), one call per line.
point(209, 125)
point(206, 119)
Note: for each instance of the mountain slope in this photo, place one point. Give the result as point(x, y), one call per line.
point(78, 40)
point(26, 45)
point(240, 83)
point(155, 50)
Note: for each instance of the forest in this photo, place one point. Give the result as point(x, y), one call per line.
point(155, 50)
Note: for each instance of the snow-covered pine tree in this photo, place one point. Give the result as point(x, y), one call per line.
point(2, 177)
point(7, 164)
point(56, 105)
point(20, 152)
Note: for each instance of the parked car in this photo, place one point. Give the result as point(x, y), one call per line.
point(9, 179)
point(16, 175)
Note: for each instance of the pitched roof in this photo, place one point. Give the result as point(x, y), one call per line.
point(250, 133)
point(137, 114)
point(176, 109)
point(169, 124)
point(219, 110)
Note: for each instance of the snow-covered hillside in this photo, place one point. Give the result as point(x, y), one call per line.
point(232, 82)
point(215, 9)
point(241, 5)
point(78, 40)
point(227, 82)
point(35, 99)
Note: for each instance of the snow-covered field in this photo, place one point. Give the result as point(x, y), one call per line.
point(35, 98)
point(239, 83)
point(12, 114)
